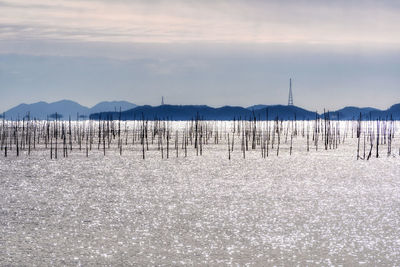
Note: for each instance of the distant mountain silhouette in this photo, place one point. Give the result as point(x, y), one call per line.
point(394, 110)
point(188, 112)
point(111, 106)
point(64, 109)
point(41, 110)
point(256, 107)
point(110, 110)
point(353, 113)
point(350, 113)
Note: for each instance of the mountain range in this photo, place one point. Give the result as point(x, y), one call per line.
point(111, 110)
point(64, 109)
point(188, 112)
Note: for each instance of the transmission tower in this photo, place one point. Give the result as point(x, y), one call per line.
point(290, 102)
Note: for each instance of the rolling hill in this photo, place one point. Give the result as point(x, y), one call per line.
point(188, 112)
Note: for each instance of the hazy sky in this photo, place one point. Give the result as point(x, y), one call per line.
point(239, 52)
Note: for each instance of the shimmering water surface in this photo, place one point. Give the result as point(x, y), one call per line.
point(310, 208)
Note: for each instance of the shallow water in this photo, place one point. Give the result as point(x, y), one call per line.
point(316, 208)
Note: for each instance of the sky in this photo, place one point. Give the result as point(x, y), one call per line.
point(239, 52)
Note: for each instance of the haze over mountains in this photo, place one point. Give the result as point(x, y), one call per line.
point(129, 111)
point(64, 109)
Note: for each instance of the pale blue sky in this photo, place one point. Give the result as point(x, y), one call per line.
point(201, 52)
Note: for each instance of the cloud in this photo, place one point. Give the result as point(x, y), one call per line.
point(264, 22)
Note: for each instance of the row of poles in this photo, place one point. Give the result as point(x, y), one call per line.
point(60, 138)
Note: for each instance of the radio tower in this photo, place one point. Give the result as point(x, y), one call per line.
point(290, 102)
